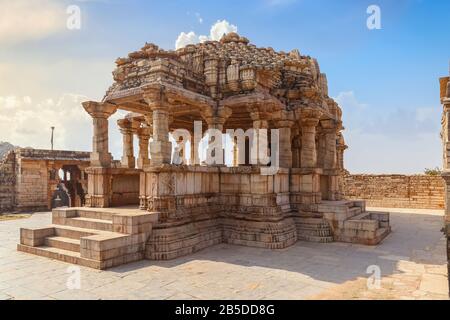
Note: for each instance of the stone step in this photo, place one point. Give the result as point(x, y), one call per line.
point(72, 232)
point(315, 233)
point(63, 243)
point(315, 238)
point(362, 216)
point(61, 255)
point(321, 226)
point(88, 223)
point(355, 211)
point(92, 214)
point(313, 230)
point(382, 232)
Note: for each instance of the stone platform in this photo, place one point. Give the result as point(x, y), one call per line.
point(105, 237)
point(412, 267)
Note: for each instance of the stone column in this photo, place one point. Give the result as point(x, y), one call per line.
point(258, 138)
point(330, 157)
point(340, 148)
point(235, 153)
point(126, 128)
point(100, 112)
point(161, 147)
point(143, 137)
point(195, 158)
point(217, 122)
point(308, 154)
point(285, 150)
point(99, 174)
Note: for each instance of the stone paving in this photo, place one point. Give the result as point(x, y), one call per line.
point(411, 260)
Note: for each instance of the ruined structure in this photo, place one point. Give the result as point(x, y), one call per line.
point(188, 205)
point(445, 135)
point(32, 179)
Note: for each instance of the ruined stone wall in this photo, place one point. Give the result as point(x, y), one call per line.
point(25, 184)
point(7, 181)
point(396, 191)
point(31, 186)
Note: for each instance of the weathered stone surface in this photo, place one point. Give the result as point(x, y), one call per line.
point(396, 191)
point(29, 177)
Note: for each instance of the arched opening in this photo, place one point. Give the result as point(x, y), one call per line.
point(69, 188)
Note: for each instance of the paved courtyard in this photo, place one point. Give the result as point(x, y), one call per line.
point(411, 262)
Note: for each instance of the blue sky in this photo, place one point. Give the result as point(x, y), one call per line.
point(385, 80)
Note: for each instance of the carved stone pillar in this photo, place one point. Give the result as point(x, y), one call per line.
point(100, 112)
point(235, 154)
point(126, 128)
point(217, 122)
point(330, 157)
point(308, 155)
point(99, 174)
point(195, 158)
point(260, 137)
point(285, 146)
point(143, 137)
point(340, 148)
point(161, 147)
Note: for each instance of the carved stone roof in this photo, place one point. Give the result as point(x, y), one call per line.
point(222, 69)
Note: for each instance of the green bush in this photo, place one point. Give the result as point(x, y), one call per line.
point(433, 172)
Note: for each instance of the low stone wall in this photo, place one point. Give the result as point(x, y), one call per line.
point(7, 182)
point(396, 191)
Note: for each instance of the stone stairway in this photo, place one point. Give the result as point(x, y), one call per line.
point(96, 238)
point(313, 229)
point(350, 222)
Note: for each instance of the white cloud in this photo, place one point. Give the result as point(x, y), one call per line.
point(348, 99)
point(26, 123)
point(216, 32)
point(220, 28)
point(24, 20)
point(186, 38)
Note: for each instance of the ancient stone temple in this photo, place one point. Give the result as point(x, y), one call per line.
point(283, 183)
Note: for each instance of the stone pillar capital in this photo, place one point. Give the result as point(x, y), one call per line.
point(309, 122)
point(446, 103)
point(155, 97)
point(125, 125)
point(102, 110)
point(260, 124)
point(309, 112)
point(329, 124)
point(284, 123)
point(224, 112)
point(445, 87)
point(144, 132)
